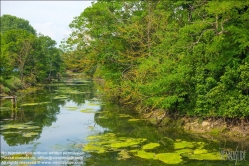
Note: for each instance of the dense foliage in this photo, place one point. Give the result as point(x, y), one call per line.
point(26, 58)
point(187, 57)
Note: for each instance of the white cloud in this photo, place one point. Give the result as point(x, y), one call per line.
point(51, 18)
point(46, 29)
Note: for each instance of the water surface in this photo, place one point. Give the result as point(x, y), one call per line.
point(71, 120)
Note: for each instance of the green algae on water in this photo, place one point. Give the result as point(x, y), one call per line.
point(32, 104)
point(204, 156)
point(150, 146)
point(88, 111)
point(124, 116)
point(169, 158)
point(18, 126)
point(123, 155)
point(145, 155)
point(30, 134)
point(183, 144)
point(110, 142)
point(61, 97)
point(134, 120)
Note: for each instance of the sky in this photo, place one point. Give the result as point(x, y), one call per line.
point(50, 18)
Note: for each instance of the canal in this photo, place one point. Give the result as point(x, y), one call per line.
point(69, 123)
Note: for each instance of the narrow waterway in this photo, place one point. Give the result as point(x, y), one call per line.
point(68, 123)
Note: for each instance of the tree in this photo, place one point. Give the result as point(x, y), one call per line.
point(187, 57)
point(17, 44)
point(33, 57)
point(9, 22)
point(47, 59)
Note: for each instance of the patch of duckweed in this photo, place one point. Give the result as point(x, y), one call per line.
point(71, 108)
point(145, 155)
point(68, 90)
point(200, 151)
point(124, 116)
point(182, 151)
point(77, 81)
point(169, 158)
point(134, 150)
point(123, 155)
point(134, 120)
point(30, 134)
point(32, 127)
point(61, 97)
point(183, 144)
point(90, 147)
point(126, 143)
point(104, 136)
point(74, 92)
point(32, 104)
point(150, 146)
point(56, 84)
point(77, 92)
point(75, 84)
point(110, 142)
point(94, 104)
point(88, 111)
point(204, 156)
point(18, 126)
point(103, 117)
point(10, 132)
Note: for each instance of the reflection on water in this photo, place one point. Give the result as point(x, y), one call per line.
point(50, 119)
point(70, 117)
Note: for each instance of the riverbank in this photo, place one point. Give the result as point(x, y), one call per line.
point(214, 127)
point(234, 128)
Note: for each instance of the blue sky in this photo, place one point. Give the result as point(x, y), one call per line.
point(50, 18)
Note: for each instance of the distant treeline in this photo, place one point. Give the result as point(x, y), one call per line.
point(26, 57)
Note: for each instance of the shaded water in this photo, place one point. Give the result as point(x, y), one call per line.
point(68, 123)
